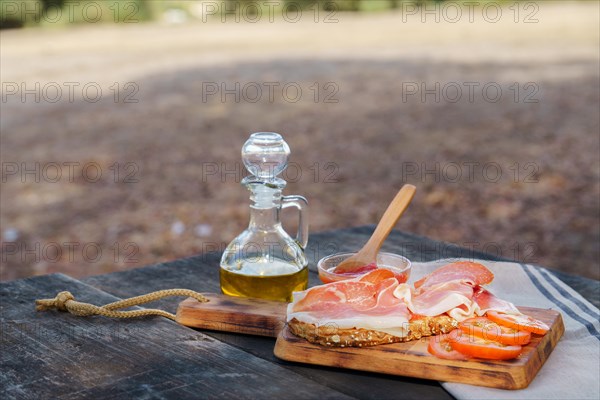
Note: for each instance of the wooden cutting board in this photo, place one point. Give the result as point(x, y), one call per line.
point(267, 318)
point(233, 314)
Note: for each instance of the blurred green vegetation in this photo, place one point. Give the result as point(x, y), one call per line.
point(23, 13)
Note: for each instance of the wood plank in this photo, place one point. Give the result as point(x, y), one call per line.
point(55, 354)
point(412, 358)
point(233, 314)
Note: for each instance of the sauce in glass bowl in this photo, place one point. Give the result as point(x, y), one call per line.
point(399, 265)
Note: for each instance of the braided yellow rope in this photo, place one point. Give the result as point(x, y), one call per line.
point(65, 301)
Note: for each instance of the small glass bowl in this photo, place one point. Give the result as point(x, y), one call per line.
point(398, 264)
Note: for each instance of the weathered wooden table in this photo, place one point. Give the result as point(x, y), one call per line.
point(52, 354)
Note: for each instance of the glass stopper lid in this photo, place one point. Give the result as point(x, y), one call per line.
point(265, 155)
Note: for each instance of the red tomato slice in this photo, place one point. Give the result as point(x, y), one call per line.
point(473, 346)
point(486, 329)
point(520, 322)
point(440, 347)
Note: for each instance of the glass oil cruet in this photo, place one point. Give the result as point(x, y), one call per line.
point(264, 261)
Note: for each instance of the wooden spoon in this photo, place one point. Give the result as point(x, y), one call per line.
point(368, 254)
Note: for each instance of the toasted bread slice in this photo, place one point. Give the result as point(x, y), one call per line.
point(331, 335)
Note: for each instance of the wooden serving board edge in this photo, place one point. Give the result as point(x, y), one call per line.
point(398, 359)
point(233, 314)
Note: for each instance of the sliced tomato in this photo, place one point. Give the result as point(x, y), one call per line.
point(441, 347)
point(487, 329)
point(520, 322)
point(473, 346)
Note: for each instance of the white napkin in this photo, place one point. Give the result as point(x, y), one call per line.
point(573, 369)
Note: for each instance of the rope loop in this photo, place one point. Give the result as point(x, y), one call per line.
point(65, 301)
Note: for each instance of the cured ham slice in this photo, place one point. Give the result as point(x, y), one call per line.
point(377, 301)
point(469, 272)
point(456, 289)
point(488, 302)
point(454, 298)
point(362, 293)
point(366, 302)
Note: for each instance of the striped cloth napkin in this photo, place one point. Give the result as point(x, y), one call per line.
point(573, 369)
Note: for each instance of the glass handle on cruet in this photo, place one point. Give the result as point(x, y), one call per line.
point(302, 205)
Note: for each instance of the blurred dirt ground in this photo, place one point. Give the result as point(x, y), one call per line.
point(516, 175)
